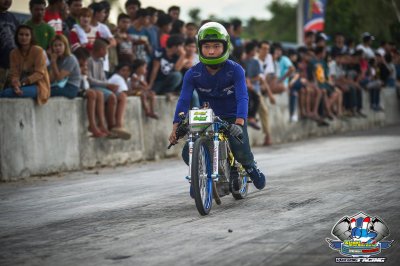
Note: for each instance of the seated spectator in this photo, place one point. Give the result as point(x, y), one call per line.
point(139, 87)
point(83, 34)
point(115, 101)
point(52, 16)
point(331, 94)
point(95, 100)
point(339, 47)
point(167, 64)
point(64, 71)
point(28, 72)
point(140, 36)
point(283, 68)
point(42, 31)
point(124, 41)
point(75, 7)
point(164, 24)
point(191, 30)
point(8, 26)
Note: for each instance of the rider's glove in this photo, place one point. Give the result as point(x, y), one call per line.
point(235, 131)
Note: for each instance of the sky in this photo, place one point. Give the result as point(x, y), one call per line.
point(225, 9)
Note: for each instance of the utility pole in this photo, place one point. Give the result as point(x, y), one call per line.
point(300, 22)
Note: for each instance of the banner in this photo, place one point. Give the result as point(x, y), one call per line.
point(314, 15)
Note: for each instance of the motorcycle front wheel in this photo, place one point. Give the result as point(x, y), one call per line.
point(201, 179)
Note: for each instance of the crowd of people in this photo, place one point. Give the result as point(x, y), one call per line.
point(68, 50)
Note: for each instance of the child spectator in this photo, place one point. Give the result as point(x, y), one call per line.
point(139, 87)
point(140, 36)
point(164, 24)
point(74, 9)
point(124, 41)
point(116, 102)
point(167, 64)
point(28, 72)
point(53, 15)
point(95, 100)
point(42, 31)
point(64, 71)
point(83, 34)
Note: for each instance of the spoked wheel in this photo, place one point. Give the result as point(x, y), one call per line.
point(238, 184)
point(201, 176)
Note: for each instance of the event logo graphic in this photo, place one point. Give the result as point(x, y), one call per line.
point(360, 237)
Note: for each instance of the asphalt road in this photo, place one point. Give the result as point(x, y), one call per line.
point(142, 214)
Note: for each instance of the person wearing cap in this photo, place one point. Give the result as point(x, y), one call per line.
point(365, 46)
point(222, 83)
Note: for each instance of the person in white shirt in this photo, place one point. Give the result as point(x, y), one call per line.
point(365, 46)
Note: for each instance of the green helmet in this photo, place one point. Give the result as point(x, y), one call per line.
point(213, 32)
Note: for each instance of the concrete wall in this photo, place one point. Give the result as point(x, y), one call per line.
point(38, 140)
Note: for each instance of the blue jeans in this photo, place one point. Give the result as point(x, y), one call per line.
point(27, 92)
point(241, 151)
point(70, 91)
point(169, 84)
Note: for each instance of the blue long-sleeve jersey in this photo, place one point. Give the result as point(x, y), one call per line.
point(226, 91)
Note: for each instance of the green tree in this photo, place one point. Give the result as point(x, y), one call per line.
point(194, 15)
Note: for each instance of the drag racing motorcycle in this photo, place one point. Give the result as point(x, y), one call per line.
point(213, 170)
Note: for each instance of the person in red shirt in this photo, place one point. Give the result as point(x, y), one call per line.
point(83, 34)
point(52, 16)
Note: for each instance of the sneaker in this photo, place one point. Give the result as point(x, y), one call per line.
point(256, 176)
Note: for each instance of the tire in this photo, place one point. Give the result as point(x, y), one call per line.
point(201, 179)
point(238, 184)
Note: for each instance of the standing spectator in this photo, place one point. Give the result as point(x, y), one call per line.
point(140, 36)
point(321, 40)
point(8, 26)
point(178, 27)
point(28, 72)
point(237, 31)
point(112, 49)
point(139, 87)
point(257, 86)
point(283, 69)
point(164, 24)
point(83, 34)
point(365, 46)
point(339, 47)
point(65, 74)
point(265, 58)
point(52, 16)
point(167, 64)
point(42, 31)
point(74, 9)
point(191, 59)
point(309, 40)
point(174, 12)
point(95, 100)
point(131, 7)
point(115, 101)
point(152, 28)
point(124, 41)
point(191, 30)
point(99, 15)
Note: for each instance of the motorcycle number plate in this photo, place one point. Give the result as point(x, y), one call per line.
point(201, 117)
